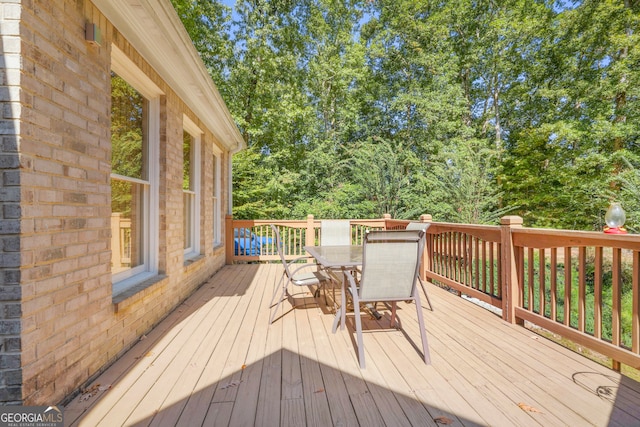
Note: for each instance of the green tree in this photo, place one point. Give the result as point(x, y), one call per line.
point(460, 109)
point(208, 25)
point(467, 180)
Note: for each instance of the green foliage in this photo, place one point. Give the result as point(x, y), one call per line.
point(467, 179)
point(629, 196)
point(207, 22)
point(464, 110)
point(626, 302)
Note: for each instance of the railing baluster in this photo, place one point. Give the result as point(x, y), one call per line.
point(452, 245)
point(541, 280)
point(582, 291)
point(567, 286)
point(465, 260)
point(597, 293)
point(616, 303)
point(635, 315)
point(530, 281)
point(553, 278)
point(497, 274)
point(477, 261)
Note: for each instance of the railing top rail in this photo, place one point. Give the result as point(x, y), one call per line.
point(485, 232)
point(239, 223)
point(550, 238)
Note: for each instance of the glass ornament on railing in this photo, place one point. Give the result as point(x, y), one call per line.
point(615, 218)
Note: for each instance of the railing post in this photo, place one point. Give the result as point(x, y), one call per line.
point(310, 235)
point(428, 250)
point(228, 239)
point(426, 218)
point(385, 218)
point(510, 289)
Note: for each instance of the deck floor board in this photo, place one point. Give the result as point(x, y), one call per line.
point(215, 360)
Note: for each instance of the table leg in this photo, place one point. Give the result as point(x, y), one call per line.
point(343, 299)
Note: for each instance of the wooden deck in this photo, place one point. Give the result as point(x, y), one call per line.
point(216, 361)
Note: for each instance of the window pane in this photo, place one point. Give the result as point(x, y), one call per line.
point(127, 216)
point(186, 169)
point(129, 111)
point(187, 185)
point(188, 199)
point(216, 237)
point(129, 117)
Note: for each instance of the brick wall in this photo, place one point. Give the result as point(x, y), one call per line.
point(58, 323)
point(10, 326)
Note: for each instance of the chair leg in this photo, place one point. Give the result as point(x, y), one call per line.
point(283, 293)
point(423, 331)
point(425, 293)
point(275, 309)
point(343, 303)
point(393, 314)
point(324, 290)
point(275, 291)
point(336, 320)
point(356, 312)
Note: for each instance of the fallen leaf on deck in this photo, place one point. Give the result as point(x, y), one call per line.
point(147, 354)
point(244, 366)
point(92, 391)
point(443, 420)
point(320, 390)
point(528, 408)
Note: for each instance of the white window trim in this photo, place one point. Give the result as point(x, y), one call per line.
point(217, 191)
point(196, 135)
point(125, 68)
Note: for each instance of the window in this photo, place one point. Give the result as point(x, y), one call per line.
point(191, 188)
point(216, 200)
point(134, 159)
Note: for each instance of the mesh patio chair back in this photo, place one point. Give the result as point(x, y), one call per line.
point(389, 274)
point(390, 265)
point(335, 232)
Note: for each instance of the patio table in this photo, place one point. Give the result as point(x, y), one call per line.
point(346, 259)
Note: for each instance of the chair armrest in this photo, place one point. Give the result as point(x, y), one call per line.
point(353, 286)
point(293, 261)
point(300, 267)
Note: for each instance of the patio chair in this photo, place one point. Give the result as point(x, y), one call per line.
point(421, 226)
point(389, 272)
point(335, 232)
point(293, 274)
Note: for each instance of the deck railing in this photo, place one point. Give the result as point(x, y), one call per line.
point(583, 286)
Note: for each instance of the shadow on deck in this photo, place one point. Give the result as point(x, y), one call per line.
point(216, 361)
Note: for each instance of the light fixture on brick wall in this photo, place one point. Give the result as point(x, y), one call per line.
point(92, 34)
